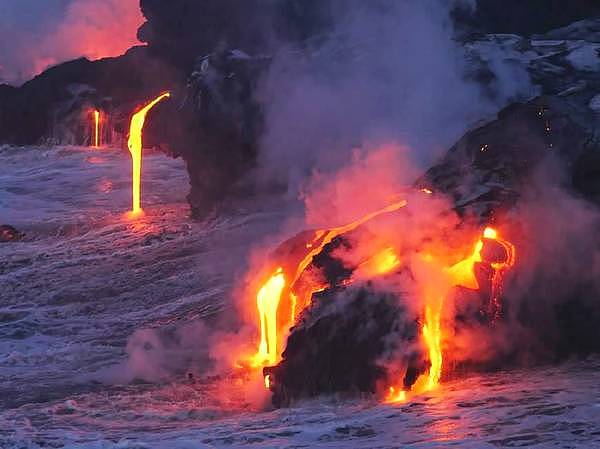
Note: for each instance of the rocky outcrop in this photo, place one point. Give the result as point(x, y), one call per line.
point(51, 107)
point(218, 125)
point(340, 345)
point(488, 167)
point(486, 171)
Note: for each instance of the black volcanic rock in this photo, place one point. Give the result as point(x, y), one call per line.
point(181, 30)
point(341, 343)
point(218, 125)
point(486, 170)
point(49, 107)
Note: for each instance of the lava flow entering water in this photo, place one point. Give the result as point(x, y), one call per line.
point(96, 129)
point(461, 274)
point(269, 296)
point(280, 288)
point(135, 148)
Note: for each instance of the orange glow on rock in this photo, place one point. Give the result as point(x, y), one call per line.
point(381, 263)
point(490, 233)
point(460, 274)
point(135, 148)
point(395, 396)
point(270, 294)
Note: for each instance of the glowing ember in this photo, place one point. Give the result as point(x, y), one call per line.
point(396, 395)
point(135, 148)
point(490, 233)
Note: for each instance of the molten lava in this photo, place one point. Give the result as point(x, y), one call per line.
point(267, 302)
point(270, 294)
point(460, 274)
point(96, 129)
point(295, 285)
point(135, 148)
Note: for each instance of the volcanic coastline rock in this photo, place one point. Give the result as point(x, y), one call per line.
point(341, 343)
point(219, 125)
point(51, 107)
point(486, 170)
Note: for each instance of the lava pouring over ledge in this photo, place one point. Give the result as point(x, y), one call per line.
point(462, 274)
point(135, 148)
point(282, 288)
point(269, 296)
point(96, 129)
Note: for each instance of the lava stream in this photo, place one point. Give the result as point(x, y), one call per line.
point(96, 129)
point(460, 274)
point(269, 296)
point(135, 148)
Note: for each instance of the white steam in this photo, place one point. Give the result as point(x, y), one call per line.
point(387, 74)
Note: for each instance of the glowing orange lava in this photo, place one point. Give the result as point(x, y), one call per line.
point(381, 263)
point(461, 274)
point(270, 294)
point(96, 129)
point(267, 302)
point(291, 287)
point(135, 148)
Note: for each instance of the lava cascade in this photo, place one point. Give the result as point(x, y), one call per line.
point(135, 148)
point(96, 128)
point(281, 287)
point(269, 298)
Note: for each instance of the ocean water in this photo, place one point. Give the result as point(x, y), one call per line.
point(87, 283)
